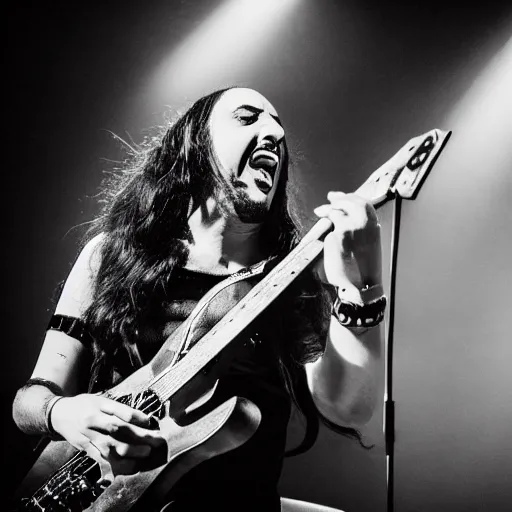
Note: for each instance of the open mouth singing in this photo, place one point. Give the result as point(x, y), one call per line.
point(264, 161)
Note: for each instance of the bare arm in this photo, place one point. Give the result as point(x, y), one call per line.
point(106, 429)
point(344, 382)
point(61, 357)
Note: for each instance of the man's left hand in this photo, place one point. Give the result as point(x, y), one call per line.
point(352, 250)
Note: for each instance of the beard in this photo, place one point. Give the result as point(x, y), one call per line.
point(247, 210)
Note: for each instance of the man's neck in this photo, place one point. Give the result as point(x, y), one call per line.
point(221, 242)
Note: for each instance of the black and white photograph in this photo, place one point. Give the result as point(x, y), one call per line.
point(257, 256)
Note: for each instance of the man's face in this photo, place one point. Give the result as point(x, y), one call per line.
point(248, 142)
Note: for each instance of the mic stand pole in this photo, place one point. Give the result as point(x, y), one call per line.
point(389, 404)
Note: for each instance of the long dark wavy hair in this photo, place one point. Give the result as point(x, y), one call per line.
point(143, 224)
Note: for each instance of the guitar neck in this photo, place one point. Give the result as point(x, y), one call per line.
point(402, 175)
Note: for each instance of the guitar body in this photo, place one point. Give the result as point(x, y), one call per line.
point(224, 428)
point(196, 422)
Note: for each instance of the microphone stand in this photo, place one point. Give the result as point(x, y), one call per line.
point(389, 404)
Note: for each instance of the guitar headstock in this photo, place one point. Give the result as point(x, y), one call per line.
point(406, 171)
point(402, 175)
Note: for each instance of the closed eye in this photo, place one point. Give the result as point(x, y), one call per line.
point(246, 119)
point(249, 114)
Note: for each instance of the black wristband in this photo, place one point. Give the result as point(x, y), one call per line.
point(36, 381)
point(72, 326)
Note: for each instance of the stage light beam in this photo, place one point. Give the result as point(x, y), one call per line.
point(232, 41)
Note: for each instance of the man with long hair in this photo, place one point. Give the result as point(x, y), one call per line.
point(207, 201)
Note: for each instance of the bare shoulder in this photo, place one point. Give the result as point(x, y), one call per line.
point(90, 253)
point(76, 294)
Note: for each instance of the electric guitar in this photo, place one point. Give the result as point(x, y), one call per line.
point(179, 392)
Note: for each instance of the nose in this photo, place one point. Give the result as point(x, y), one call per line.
point(271, 133)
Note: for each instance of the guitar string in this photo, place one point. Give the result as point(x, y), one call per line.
point(73, 466)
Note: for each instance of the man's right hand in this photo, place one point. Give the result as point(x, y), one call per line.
point(108, 431)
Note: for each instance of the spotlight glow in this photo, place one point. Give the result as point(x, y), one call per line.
point(484, 117)
point(233, 39)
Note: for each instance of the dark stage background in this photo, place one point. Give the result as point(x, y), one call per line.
point(353, 82)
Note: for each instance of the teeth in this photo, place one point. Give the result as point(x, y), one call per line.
point(264, 163)
point(265, 153)
point(262, 178)
point(263, 156)
point(265, 177)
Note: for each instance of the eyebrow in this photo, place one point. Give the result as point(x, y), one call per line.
point(256, 110)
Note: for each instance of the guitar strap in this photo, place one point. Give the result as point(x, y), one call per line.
point(241, 275)
point(178, 344)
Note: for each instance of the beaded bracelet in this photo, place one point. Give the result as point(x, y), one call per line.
point(360, 315)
